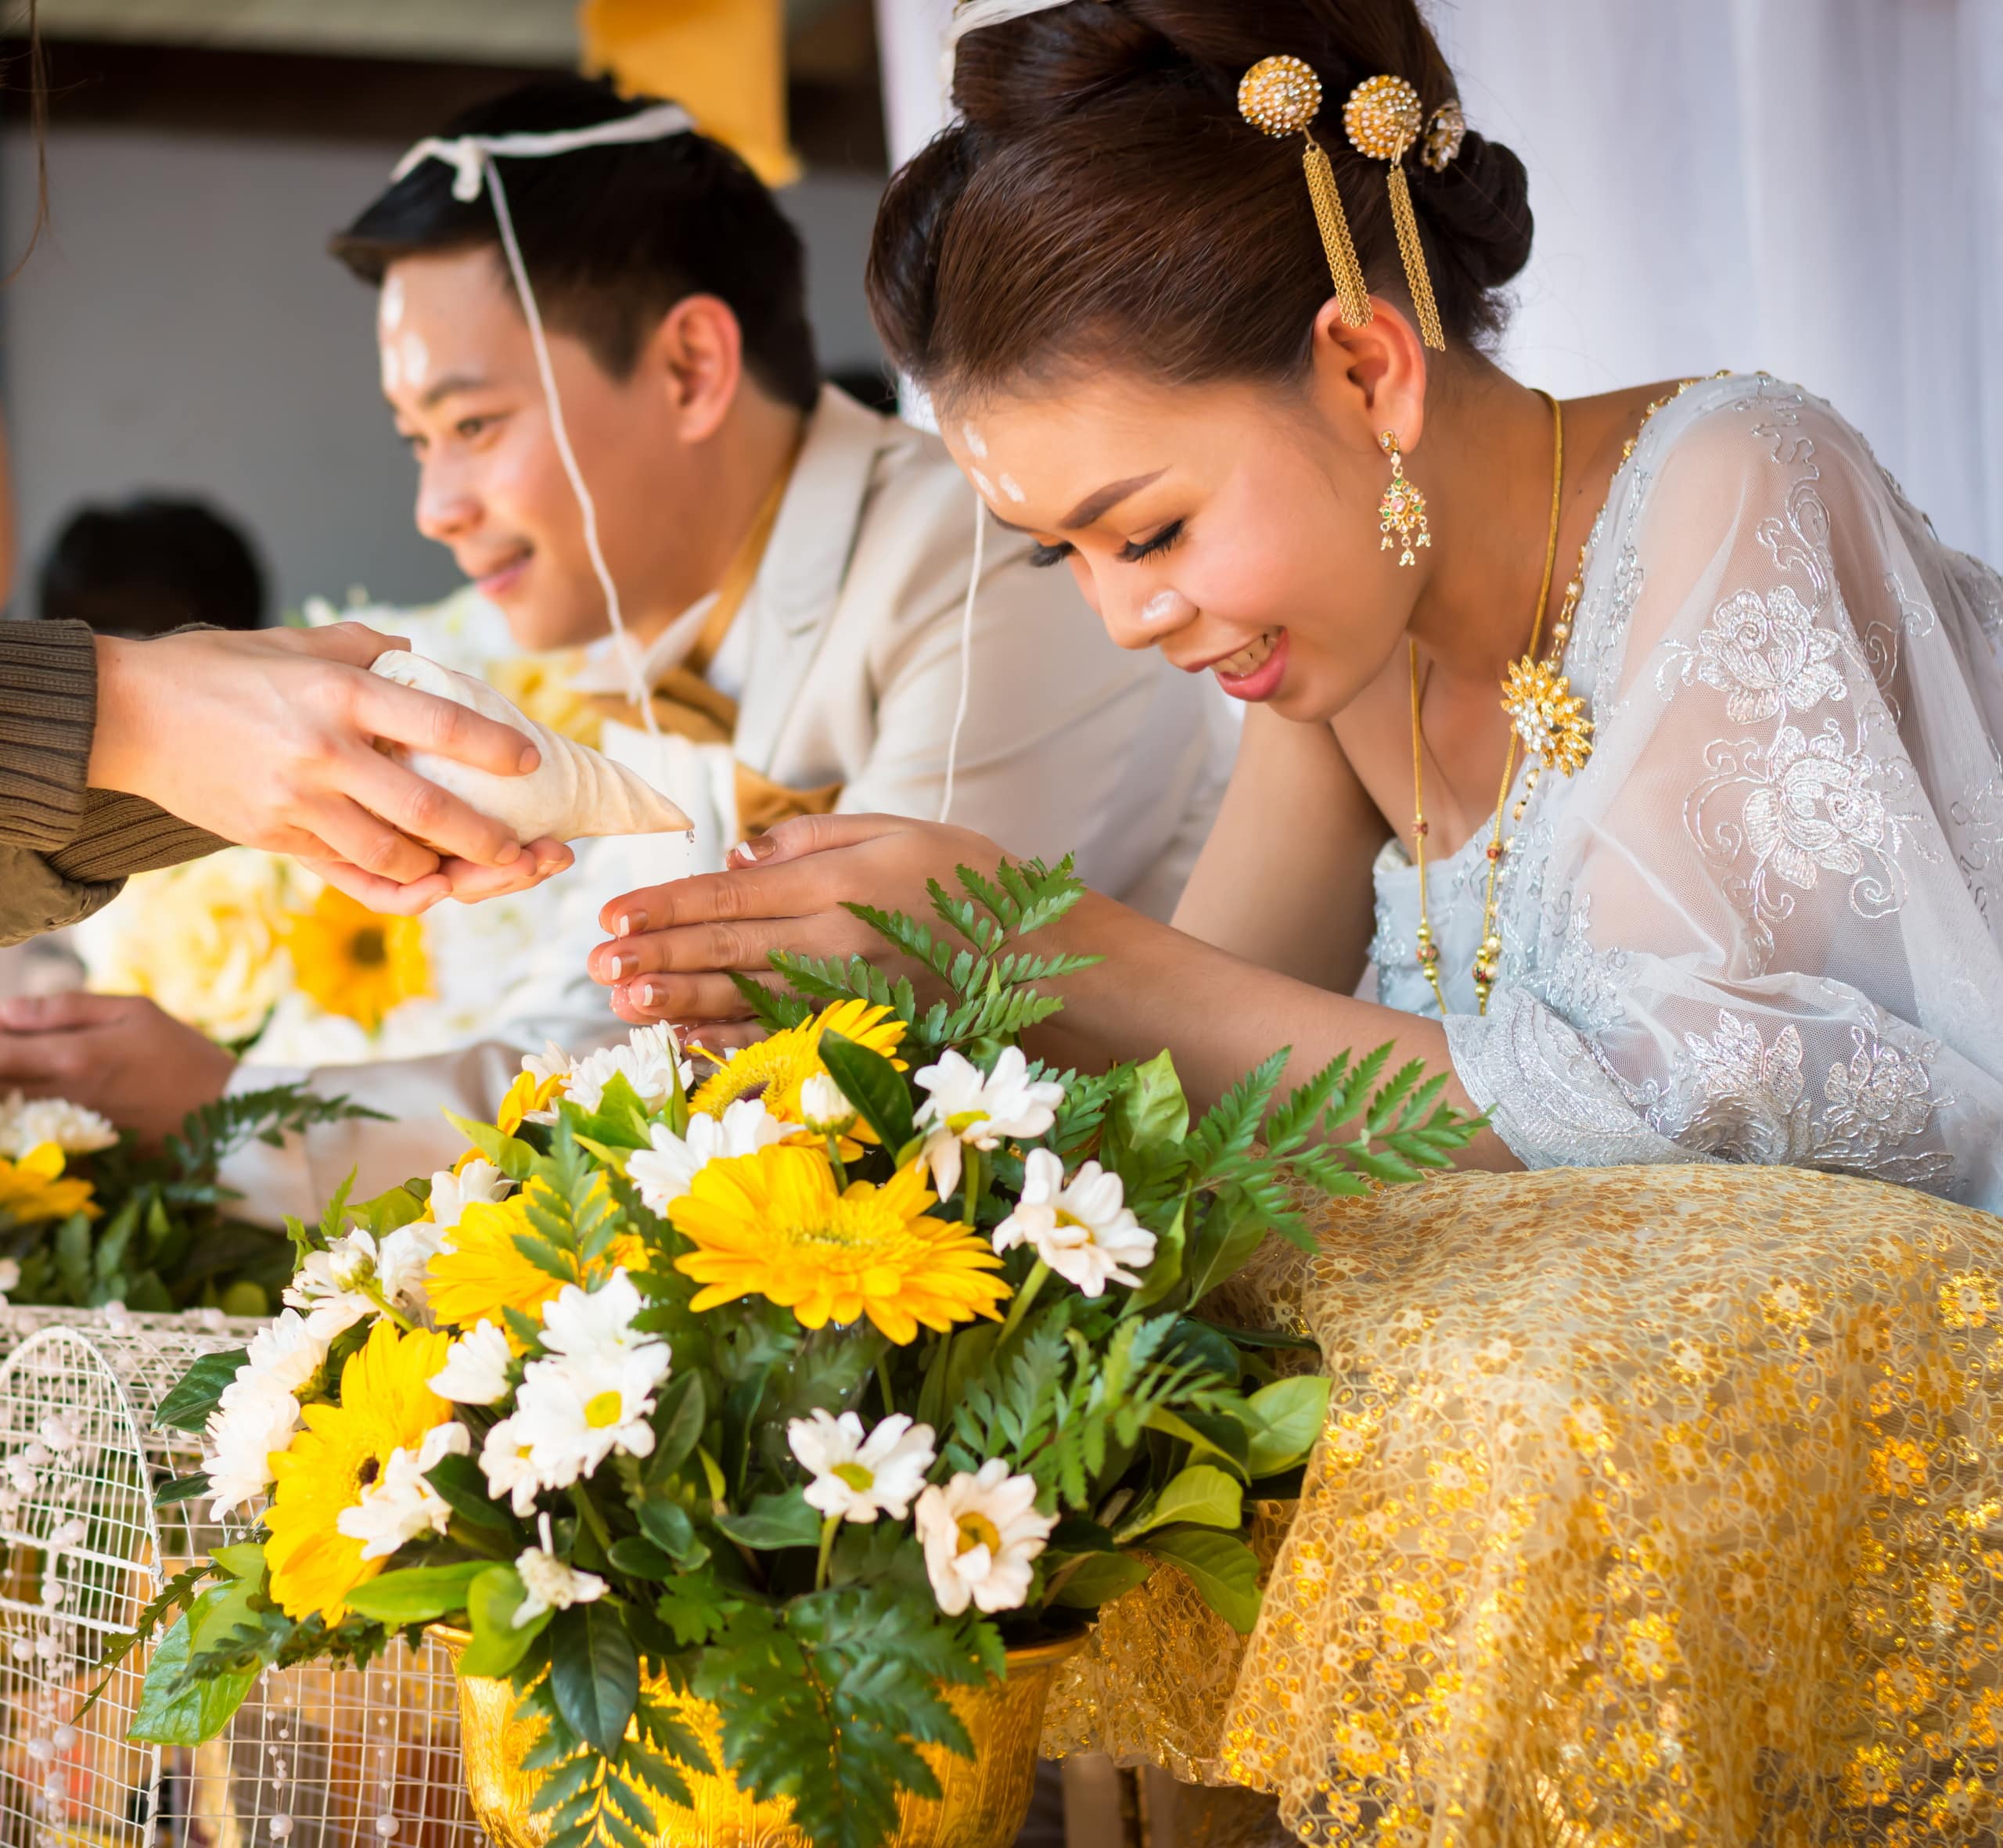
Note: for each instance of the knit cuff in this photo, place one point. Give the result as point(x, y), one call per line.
point(47, 713)
point(118, 835)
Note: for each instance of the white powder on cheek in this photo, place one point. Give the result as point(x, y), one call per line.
point(1012, 490)
point(981, 481)
point(416, 359)
point(392, 309)
point(976, 443)
point(392, 372)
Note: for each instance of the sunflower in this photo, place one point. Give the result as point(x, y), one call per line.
point(33, 1188)
point(777, 1066)
point(486, 1271)
point(386, 1403)
point(773, 1225)
point(356, 962)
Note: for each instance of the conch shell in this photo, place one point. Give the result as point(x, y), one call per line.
point(573, 793)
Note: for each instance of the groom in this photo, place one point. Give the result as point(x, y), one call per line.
point(794, 568)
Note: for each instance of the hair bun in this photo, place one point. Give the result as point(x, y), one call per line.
point(1478, 210)
point(1008, 81)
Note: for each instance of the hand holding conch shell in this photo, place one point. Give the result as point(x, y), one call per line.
point(573, 793)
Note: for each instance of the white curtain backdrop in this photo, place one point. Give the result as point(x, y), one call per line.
point(1811, 187)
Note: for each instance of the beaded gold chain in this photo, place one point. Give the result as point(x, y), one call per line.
point(1488, 957)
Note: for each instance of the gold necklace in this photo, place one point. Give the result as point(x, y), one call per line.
point(1488, 956)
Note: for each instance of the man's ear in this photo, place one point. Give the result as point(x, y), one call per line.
point(696, 356)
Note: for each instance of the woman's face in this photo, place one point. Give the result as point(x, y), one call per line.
point(1232, 526)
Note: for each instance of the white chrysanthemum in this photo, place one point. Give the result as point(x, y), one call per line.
point(824, 1108)
point(981, 1534)
point(551, 1585)
point(665, 1173)
point(475, 1368)
point(452, 1193)
point(27, 1123)
point(584, 1324)
point(285, 1352)
point(399, 1503)
point(650, 1061)
point(1084, 1231)
point(241, 1439)
point(357, 1276)
point(965, 1108)
point(574, 1411)
point(857, 1477)
point(507, 1461)
point(552, 1062)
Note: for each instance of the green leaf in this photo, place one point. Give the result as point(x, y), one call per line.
point(1223, 1247)
point(773, 1522)
point(418, 1594)
point(595, 1674)
point(1164, 1270)
point(219, 1614)
point(1202, 1494)
point(640, 1559)
point(182, 1488)
point(514, 1158)
point(1223, 1570)
point(491, 1602)
point(461, 1485)
point(1288, 1416)
point(774, 1012)
point(175, 1711)
point(1150, 1110)
point(1103, 1578)
point(678, 1421)
point(195, 1395)
point(1216, 1435)
point(873, 1085)
point(667, 1524)
point(244, 1560)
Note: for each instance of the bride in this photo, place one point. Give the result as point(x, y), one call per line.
point(1718, 888)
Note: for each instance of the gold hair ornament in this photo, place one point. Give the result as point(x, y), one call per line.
point(1449, 128)
point(1281, 96)
point(1384, 117)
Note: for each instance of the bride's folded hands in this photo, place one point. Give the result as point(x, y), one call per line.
point(270, 739)
point(673, 949)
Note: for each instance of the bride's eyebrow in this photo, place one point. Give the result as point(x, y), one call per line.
point(1096, 506)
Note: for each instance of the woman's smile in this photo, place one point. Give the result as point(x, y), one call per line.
point(1255, 672)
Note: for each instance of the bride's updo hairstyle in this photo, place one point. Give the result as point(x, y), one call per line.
point(1103, 201)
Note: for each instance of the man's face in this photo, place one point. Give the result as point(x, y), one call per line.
point(460, 373)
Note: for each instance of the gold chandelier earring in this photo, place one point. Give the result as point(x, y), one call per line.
point(1401, 513)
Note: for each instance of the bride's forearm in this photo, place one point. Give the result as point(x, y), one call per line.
point(1218, 1015)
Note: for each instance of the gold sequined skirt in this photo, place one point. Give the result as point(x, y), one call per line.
point(1656, 1506)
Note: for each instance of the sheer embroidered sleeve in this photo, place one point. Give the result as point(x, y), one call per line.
point(1762, 924)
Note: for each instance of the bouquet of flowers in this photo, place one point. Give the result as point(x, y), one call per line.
point(802, 1382)
point(87, 1218)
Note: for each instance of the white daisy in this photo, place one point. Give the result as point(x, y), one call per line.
point(824, 1108)
point(966, 1109)
point(859, 1478)
point(665, 1173)
point(586, 1325)
point(650, 1061)
point(357, 1276)
point(240, 1440)
point(399, 1503)
point(451, 1194)
point(552, 1062)
point(285, 1352)
point(982, 1534)
point(574, 1411)
point(506, 1460)
point(1084, 1231)
point(552, 1585)
point(27, 1123)
point(475, 1368)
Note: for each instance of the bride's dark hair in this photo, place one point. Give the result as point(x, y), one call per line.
point(1104, 200)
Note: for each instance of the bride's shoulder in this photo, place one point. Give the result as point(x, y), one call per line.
point(1719, 438)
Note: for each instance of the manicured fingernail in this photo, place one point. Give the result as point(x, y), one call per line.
point(623, 966)
point(529, 759)
point(647, 994)
point(763, 848)
point(630, 921)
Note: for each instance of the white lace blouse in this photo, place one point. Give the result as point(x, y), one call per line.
point(1764, 923)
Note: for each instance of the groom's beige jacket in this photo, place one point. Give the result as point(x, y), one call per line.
point(845, 659)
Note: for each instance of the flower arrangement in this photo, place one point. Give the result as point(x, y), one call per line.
point(87, 1218)
point(802, 1382)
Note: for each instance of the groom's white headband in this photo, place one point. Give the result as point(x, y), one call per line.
point(475, 158)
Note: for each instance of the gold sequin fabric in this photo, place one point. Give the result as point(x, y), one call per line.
point(1656, 1506)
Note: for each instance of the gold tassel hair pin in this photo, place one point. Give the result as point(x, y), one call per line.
point(1384, 117)
point(1281, 96)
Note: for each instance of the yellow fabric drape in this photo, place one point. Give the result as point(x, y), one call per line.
point(724, 60)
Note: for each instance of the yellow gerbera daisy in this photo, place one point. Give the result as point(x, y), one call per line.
point(773, 1225)
point(777, 1066)
point(33, 1188)
point(485, 1271)
point(386, 1403)
point(356, 962)
point(527, 1093)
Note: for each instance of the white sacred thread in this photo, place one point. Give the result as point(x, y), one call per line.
point(966, 654)
point(475, 157)
point(974, 15)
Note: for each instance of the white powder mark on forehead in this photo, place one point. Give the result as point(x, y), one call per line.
point(981, 481)
point(976, 443)
point(391, 312)
point(1013, 489)
point(416, 359)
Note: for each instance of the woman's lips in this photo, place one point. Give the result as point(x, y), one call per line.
point(497, 583)
point(1255, 672)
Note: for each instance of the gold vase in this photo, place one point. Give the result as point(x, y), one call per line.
point(982, 1803)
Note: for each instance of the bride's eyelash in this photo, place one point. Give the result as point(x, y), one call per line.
point(1148, 548)
point(1043, 557)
